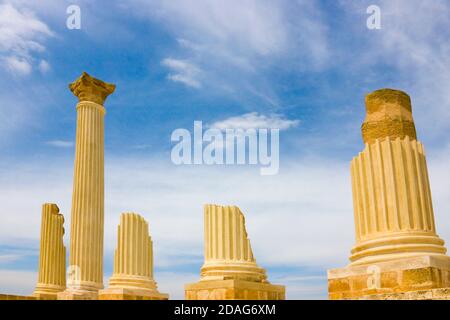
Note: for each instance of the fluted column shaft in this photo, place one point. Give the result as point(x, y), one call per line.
point(391, 189)
point(86, 243)
point(52, 255)
point(225, 235)
point(133, 262)
point(134, 253)
point(228, 252)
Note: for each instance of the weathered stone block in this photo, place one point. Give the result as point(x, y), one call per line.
point(392, 280)
point(233, 290)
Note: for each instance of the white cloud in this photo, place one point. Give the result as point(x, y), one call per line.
point(141, 146)
point(235, 42)
point(21, 36)
point(17, 65)
point(304, 287)
point(417, 41)
point(17, 282)
point(13, 122)
point(254, 120)
point(414, 43)
point(60, 143)
point(7, 258)
point(250, 24)
point(173, 283)
point(183, 71)
point(44, 66)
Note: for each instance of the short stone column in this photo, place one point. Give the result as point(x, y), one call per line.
point(397, 248)
point(133, 263)
point(230, 270)
point(87, 220)
point(52, 254)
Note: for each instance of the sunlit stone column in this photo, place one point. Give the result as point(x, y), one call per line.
point(52, 255)
point(86, 233)
point(391, 191)
point(228, 252)
point(133, 263)
point(398, 254)
point(230, 270)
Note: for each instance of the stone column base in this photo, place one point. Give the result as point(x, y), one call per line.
point(234, 290)
point(131, 294)
point(78, 295)
point(14, 297)
point(45, 296)
point(433, 294)
point(421, 277)
point(47, 291)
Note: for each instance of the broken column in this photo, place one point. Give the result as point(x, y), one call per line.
point(133, 263)
point(52, 254)
point(230, 271)
point(87, 219)
point(398, 254)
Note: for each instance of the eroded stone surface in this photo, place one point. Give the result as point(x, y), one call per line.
point(52, 254)
point(88, 88)
point(421, 273)
point(388, 114)
point(234, 290)
point(230, 269)
point(397, 249)
point(132, 278)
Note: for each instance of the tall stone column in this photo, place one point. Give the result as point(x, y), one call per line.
point(87, 219)
point(133, 263)
point(52, 254)
point(230, 270)
point(394, 221)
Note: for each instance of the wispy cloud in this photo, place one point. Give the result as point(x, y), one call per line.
point(257, 25)
point(183, 72)
point(141, 147)
point(414, 45)
point(254, 120)
point(17, 65)
point(417, 41)
point(60, 143)
point(22, 35)
point(13, 122)
point(44, 66)
point(17, 282)
point(237, 43)
point(7, 258)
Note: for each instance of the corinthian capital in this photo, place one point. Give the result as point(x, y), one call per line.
point(88, 88)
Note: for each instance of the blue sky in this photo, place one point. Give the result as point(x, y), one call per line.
point(308, 62)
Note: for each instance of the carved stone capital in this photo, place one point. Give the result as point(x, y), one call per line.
point(88, 88)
